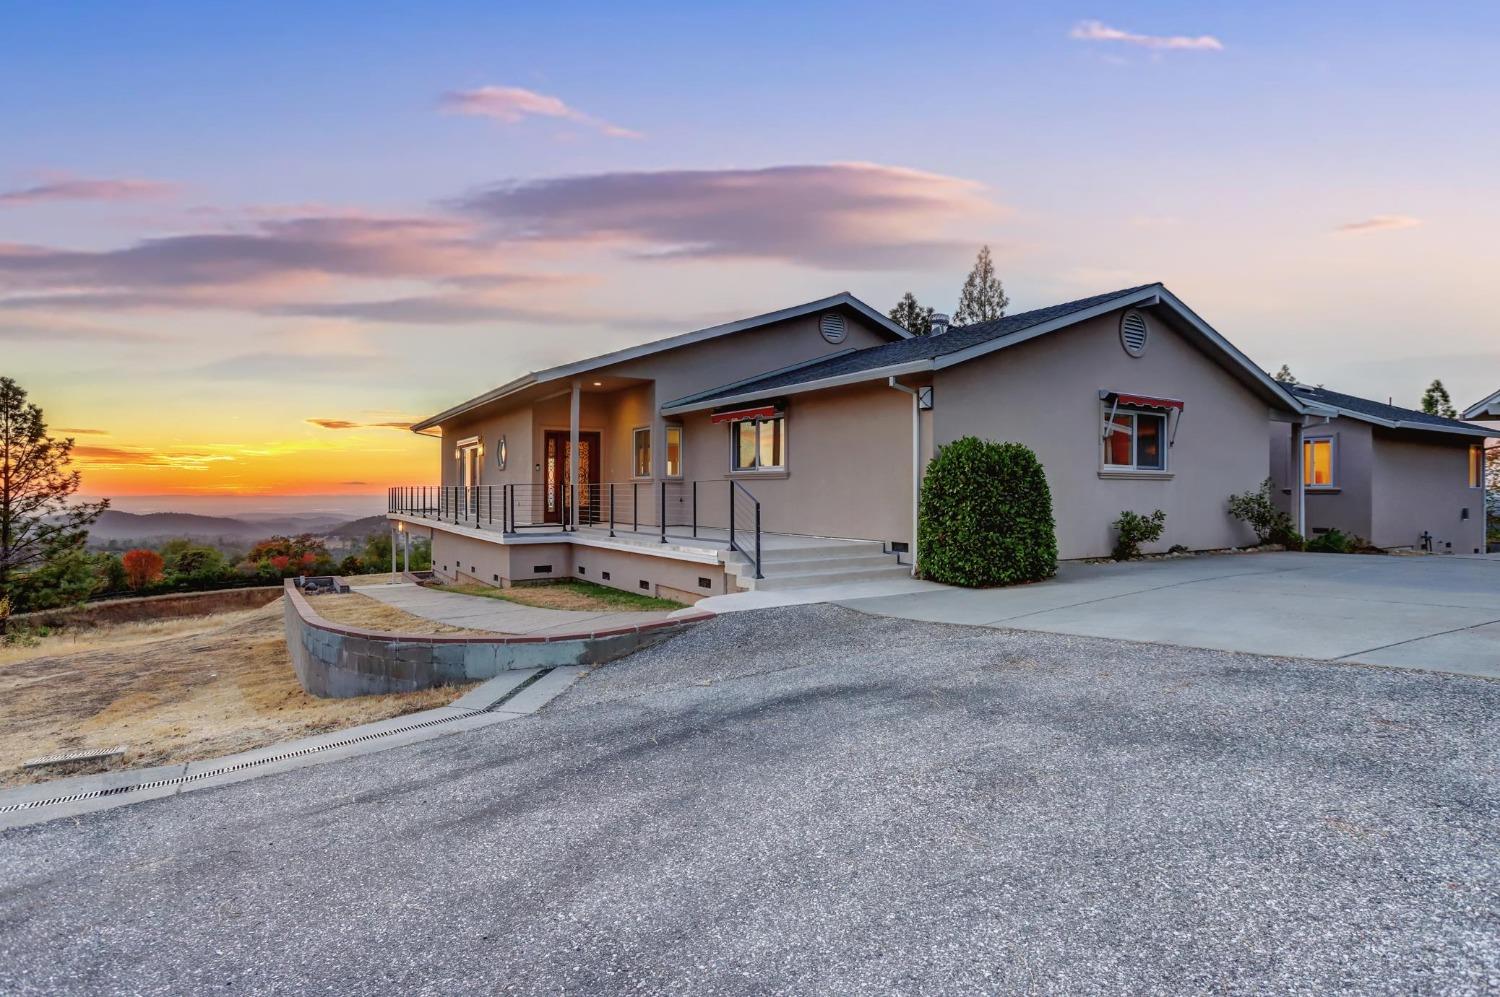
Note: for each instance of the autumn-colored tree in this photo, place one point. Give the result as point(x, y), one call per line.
point(142, 567)
point(294, 548)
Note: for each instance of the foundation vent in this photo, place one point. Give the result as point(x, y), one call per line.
point(541, 569)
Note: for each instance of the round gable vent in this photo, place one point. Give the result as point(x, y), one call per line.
point(1133, 333)
point(833, 327)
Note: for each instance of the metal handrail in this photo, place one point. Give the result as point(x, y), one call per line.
point(523, 505)
point(736, 488)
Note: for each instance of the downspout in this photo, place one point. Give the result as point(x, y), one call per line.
point(916, 462)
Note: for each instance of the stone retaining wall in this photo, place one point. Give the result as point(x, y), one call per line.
point(153, 607)
point(335, 661)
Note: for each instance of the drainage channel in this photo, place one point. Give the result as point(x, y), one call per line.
point(343, 742)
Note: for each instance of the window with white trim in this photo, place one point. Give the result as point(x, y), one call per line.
point(1135, 441)
point(1317, 462)
point(758, 444)
point(643, 452)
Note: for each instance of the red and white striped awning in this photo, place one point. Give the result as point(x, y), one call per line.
point(763, 411)
point(1142, 401)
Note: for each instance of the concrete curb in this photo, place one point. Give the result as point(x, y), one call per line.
point(529, 690)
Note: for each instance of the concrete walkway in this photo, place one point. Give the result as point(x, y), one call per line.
point(477, 612)
point(1432, 613)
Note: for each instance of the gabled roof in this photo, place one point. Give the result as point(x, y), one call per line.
point(963, 343)
point(1383, 414)
point(1484, 407)
point(841, 300)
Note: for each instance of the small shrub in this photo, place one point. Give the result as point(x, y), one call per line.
point(985, 516)
point(1258, 511)
point(142, 567)
point(1134, 530)
point(1335, 541)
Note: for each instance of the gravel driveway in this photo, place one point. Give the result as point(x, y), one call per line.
point(817, 801)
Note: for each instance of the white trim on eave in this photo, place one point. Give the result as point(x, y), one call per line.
point(1484, 407)
point(577, 367)
point(1426, 427)
point(872, 374)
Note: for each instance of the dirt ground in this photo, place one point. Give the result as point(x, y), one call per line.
point(573, 594)
point(361, 611)
point(173, 691)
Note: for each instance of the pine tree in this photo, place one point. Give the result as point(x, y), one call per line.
point(983, 296)
point(914, 318)
point(38, 528)
point(1285, 375)
point(1435, 401)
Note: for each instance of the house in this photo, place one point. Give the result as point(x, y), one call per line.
point(1485, 410)
point(787, 448)
point(1396, 477)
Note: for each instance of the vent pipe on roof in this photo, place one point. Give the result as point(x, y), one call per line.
point(939, 324)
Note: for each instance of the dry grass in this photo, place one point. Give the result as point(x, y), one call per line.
point(173, 691)
point(575, 595)
point(358, 610)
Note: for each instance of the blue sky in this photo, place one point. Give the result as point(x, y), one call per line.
point(219, 203)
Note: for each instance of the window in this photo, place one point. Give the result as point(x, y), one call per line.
point(674, 451)
point(643, 453)
point(1476, 466)
point(1317, 463)
point(758, 444)
point(1136, 441)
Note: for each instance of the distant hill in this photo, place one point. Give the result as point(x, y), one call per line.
point(361, 528)
point(113, 525)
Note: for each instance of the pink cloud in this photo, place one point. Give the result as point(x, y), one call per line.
point(1098, 31)
point(846, 216)
point(1380, 223)
point(88, 190)
point(513, 105)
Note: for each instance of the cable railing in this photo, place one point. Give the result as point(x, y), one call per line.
point(671, 508)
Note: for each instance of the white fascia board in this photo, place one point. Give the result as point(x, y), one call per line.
point(1156, 294)
point(1425, 427)
point(672, 342)
point(1484, 407)
point(873, 374)
point(509, 388)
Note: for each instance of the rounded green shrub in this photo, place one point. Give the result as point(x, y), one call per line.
point(985, 516)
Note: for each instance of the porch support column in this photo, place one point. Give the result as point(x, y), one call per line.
point(916, 462)
point(394, 542)
point(1299, 477)
point(573, 449)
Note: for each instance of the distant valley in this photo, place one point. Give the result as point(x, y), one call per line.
point(114, 528)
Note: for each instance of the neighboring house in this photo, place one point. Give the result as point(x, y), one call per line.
point(811, 425)
point(1485, 410)
point(1396, 477)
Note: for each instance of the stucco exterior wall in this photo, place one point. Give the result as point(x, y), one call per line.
point(848, 466)
point(460, 558)
point(1421, 484)
point(1345, 506)
point(515, 425)
point(1045, 393)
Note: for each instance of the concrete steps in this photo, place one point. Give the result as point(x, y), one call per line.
point(831, 562)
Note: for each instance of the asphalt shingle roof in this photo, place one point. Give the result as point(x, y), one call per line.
point(1357, 406)
point(907, 350)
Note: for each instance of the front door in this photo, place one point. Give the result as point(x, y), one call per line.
point(555, 459)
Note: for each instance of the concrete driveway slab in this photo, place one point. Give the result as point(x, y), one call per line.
point(1418, 612)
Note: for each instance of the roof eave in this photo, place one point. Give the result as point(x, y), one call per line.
point(856, 377)
point(478, 401)
point(1484, 407)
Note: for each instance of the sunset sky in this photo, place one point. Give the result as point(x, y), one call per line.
point(241, 247)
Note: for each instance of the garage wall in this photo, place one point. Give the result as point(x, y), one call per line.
point(1421, 483)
